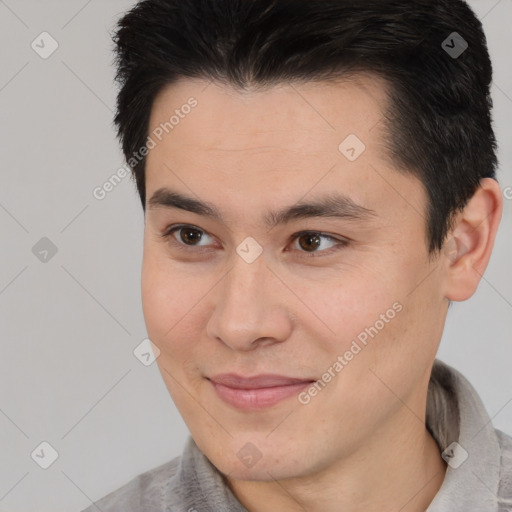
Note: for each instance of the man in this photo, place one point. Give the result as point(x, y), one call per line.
point(318, 183)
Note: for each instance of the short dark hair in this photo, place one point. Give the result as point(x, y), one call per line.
point(438, 122)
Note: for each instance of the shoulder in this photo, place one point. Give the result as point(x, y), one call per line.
point(145, 492)
point(505, 488)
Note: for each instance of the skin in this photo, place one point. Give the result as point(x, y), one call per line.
point(209, 311)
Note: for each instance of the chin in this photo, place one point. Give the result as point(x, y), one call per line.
point(256, 460)
point(261, 472)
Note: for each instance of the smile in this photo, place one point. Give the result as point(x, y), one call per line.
point(256, 392)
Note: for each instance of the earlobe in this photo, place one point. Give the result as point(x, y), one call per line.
point(468, 247)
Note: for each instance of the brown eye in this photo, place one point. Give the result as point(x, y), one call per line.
point(190, 236)
point(187, 237)
point(309, 242)
point(316, 243)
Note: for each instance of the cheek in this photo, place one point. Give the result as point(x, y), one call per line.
point(366, 312)
point(155, 294)
point(167, 294)
point(344, 303)
point(172, 302)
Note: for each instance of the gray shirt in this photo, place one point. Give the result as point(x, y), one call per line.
point(478, 476)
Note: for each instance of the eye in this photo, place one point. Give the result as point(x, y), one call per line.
point(311, 242)
point(186, 236)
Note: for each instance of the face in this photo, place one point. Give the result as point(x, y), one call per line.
point(240, 277)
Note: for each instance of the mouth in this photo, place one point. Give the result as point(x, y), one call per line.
point(256, 392)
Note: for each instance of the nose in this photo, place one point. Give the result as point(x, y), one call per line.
point(250, 308)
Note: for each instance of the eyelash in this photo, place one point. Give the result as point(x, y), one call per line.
point(167, 235)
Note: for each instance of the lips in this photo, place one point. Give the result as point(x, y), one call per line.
point(259, 381)
point(256, 392)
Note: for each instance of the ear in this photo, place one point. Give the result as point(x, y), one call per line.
point(468, 247)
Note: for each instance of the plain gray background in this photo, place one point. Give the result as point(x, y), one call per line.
point(69, 325)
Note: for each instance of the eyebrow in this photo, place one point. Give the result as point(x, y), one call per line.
point(331, 205)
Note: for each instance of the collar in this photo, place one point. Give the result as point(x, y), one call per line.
point(458, 421)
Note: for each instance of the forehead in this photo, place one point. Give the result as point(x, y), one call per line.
point(285, 140)
point(323, 111)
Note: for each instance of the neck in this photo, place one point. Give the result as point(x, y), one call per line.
point(400, 468)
